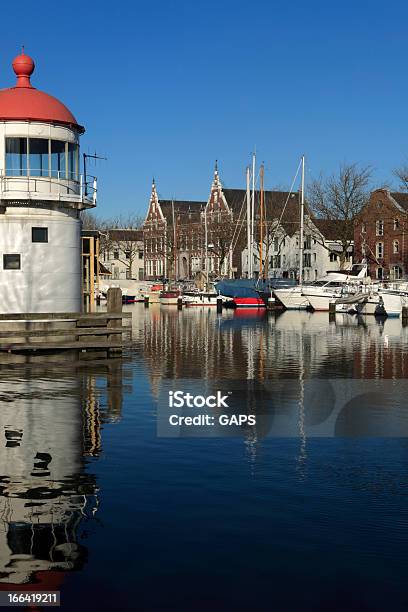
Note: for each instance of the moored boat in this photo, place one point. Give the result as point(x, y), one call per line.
point(200, 299)
point(249, 302)
point(169, 298)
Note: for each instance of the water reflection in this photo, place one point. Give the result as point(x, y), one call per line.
point(253, 344)
point(50, 421)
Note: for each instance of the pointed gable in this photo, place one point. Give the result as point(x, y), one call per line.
point(154, 212)
point(216, 200)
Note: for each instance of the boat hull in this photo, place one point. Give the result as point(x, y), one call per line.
point(392, 303)
point(249, 302)
point(292, 298)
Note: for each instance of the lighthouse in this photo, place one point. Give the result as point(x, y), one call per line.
point(41, 196)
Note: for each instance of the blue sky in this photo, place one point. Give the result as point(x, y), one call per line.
point(164, 88)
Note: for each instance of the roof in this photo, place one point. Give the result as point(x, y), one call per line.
point(335, 229)
point(401, 199)
point(23, 102)
point(274, 202)
point(126, 235)
point(182, 207)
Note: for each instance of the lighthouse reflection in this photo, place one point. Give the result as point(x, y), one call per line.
point(49, 425)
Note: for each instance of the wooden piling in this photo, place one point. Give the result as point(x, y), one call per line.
point(179, 302)
point(332, 311)
point(219, 304)
point(404, 315)
point(146, 301)
point(114, 306)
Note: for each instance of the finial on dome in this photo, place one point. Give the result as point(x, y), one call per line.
point(23, 66)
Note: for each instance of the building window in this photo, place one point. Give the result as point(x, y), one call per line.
point(140, 254)
point(116, 254)
point(16, 156)
point(395, 246)
point(277, 261)
point(127, 254)
point(38, 156)
point(379, 228)
point(333, 257)
point(363, 228)
point(307, 263)
point(396, 224)
point(39, 234)
point(380, 273)
point(276, 244)
point(128, 276)
point(380, 250)
point(308, 242)
point(11, 262)
point(58, 161)
point(396, 272)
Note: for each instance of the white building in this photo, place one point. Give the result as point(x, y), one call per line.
point(41, 196)
point(321, 250)
point(123, 254)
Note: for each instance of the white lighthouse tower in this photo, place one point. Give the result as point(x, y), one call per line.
point(41, 196)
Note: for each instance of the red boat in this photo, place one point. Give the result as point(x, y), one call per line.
point(249, 302)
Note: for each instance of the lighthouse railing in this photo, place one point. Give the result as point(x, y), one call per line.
point(47, 185)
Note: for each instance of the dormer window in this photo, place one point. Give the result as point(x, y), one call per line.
point(379, 228)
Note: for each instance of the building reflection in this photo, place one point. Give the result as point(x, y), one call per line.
point(282, 354)
point(50, 423)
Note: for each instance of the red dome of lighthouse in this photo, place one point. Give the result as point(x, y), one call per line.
point(25, 103)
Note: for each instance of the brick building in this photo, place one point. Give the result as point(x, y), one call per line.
point(175, 231)
point(380, 234)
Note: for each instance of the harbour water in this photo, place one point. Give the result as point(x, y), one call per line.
point(306, 512)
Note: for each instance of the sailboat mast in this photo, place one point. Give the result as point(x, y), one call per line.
point(206, 247)
point(174, 240)
point(248, 199)
point(302, 214)
point(261, 223)
point(252, 215)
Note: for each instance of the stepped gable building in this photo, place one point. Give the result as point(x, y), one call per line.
point(175, 231)
point(172, 238)
point(380, 234)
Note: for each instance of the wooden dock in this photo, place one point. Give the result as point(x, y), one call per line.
point(94, 333)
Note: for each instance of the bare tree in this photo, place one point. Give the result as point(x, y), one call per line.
point(338, 199)
point(402, 175)
point(119, 235)
point(90, 221)
point(220, 233)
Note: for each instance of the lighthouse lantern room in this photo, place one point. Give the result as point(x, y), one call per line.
point(41, 196)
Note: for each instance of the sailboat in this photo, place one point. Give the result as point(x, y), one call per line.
point(292, 297)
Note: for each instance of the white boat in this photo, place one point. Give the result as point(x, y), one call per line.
point(335, 285)
point(393, 301)
point(200, 299)
point(292, 298)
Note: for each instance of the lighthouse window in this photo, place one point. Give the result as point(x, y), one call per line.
point(39, 234)
point(16, 156)
point(58, 162)
point(38, 157)
point(73, 161)
point(12, 262)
